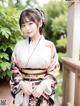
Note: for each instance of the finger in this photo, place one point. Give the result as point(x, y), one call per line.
point(27, 92)
point(36, 94)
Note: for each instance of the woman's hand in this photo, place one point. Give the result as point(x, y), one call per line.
point(25, 88)
point(39, 89)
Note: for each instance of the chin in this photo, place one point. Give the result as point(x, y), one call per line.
point(30, 35)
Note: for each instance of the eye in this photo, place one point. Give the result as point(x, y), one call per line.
point(23, 25)
point(30, 23)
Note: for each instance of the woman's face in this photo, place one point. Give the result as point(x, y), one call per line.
point(30, 28)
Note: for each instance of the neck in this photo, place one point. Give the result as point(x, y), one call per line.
point(36, 38)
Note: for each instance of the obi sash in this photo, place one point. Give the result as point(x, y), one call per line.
point(33, 74)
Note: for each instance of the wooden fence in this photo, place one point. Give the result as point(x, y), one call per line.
point(71, 65)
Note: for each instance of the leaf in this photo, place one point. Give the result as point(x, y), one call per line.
point(11, 46)
point(9, 35)
point(5, 65)
point(4, 55)
point(62, 43)
point(8, 72)
point(6, 32)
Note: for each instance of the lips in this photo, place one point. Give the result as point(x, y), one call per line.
point(29, 33)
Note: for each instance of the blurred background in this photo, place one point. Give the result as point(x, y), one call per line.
point(55, 30)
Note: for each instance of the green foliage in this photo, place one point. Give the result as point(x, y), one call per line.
point(61, 45)
point(9, 35)
point(54, 9)
point(31, 3)
point(60, 55)
point(56, 13)
point(48, 30)
point(20, 4)
point(58, 88)
point(59, 26)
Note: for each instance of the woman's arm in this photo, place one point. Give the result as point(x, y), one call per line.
point(50, 79)
point(16, 81)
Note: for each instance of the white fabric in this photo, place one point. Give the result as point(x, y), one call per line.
point(41, 58)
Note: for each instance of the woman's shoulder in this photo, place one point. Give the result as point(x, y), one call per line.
point(49, 44)
point(21, 42)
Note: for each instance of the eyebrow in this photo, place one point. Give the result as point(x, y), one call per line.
point(26, 21)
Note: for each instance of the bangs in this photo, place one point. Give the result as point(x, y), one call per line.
point(24, 18)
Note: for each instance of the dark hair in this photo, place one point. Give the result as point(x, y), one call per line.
point(34, 15)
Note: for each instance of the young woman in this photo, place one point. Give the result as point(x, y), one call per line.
point(34, 63)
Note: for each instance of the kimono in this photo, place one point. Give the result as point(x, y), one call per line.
point(35, 64)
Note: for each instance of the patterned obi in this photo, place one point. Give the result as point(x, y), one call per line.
point(33, 74)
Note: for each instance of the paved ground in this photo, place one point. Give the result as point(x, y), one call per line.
point(5, 95)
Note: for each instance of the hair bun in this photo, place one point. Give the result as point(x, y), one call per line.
point(41, 13)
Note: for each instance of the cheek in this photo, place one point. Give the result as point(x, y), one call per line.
point(23, 30)
point(35, 28)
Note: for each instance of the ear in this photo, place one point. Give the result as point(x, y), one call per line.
point(40, 23)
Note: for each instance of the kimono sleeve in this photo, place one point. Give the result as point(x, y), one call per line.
point(13, 57)
point(54, 66)
point(16, 77)
point(52, 71)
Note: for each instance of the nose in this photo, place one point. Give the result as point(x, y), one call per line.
point(27, 28)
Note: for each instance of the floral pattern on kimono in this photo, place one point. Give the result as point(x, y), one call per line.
point(43, 57)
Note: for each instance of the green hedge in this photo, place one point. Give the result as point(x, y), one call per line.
point(9, 35)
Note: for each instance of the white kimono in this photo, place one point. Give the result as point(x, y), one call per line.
point(42, 56)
